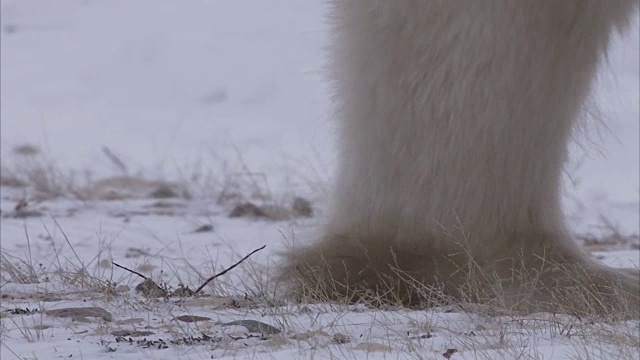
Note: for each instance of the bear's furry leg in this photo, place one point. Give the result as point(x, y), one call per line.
point(454, 118)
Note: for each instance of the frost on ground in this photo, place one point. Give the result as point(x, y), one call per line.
point(63, 298)
point(175, 139)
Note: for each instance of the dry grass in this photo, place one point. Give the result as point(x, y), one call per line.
point(594, 326)
point(488, 331)
point(31, 168)
point(490, 323)
point(566, 288)
point(34, 179)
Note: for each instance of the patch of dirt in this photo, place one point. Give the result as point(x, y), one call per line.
point(192, 318)
point(302, 207)
point(299, 208)
point(81, 312)
point(248, 210)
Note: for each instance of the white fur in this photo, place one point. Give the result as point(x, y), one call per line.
point(454, 118)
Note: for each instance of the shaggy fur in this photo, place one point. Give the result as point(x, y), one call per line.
point(454, 119)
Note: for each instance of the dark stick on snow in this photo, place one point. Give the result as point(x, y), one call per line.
point(115, 160)
point(129, 270)
point(227, 270)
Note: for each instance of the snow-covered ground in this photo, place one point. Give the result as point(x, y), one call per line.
point(228, 98)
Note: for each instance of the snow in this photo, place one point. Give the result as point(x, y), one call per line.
point(163, 84)
point(182, 88)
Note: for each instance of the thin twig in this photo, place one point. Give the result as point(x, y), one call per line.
point(32, 272)
point(82, 267)
point(228, 269)
point(115, 160)
point(129, 270)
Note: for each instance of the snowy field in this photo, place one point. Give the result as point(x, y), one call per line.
point(175, 137)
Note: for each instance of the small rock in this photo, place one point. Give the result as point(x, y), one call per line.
point(182, 291)
point(302, 207)
point(41, 327)
point(26, 150)
point(247, 210)
point(135, 253)
point(306, 310)
point(150, 289)
point(21, 205)
point(192, 318)
point(164, 205)
point(204, 228)
point(81, 312)
point(447, 354)
point(340, 338)
point(164, 191)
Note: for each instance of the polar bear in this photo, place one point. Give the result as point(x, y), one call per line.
point(454, 118)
